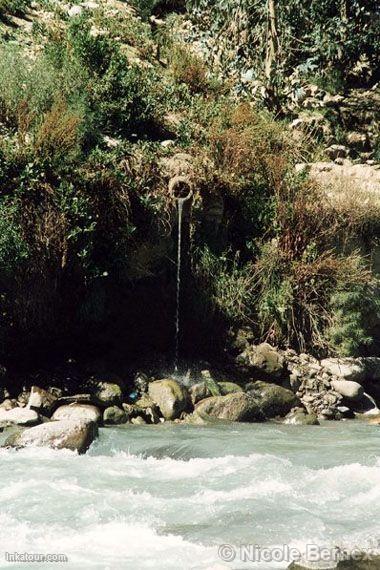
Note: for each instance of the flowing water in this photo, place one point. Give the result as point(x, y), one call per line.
point(180, 203)
point(166, 496)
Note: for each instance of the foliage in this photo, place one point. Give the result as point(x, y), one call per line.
point(354, 313)
point(332, 39)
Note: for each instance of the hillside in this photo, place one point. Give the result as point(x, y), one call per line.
point(102, 105)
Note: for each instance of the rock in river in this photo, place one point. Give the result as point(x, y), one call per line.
point(273, 399)
point(171, 397)
point(237, 407)
point(19, 416)
point(85, 412)
point(64, 434)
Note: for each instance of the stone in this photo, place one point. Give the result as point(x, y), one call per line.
point(8, 404)
point(300, 417)
point(199, 392)
point(114, 416)
point(64, 434)
point(345, 368)
point(264, 358)
point(236, 407)
point(19, 416)
point(74, 412)
point(337, 151)
point(108, 394)
point(170, 397)
point(41, 401)
point(75, 11)
point(348, 388)
point(339, 561)
point(229, 388)
point(273, 399)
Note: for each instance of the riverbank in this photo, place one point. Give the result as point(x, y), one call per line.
point(262, 384)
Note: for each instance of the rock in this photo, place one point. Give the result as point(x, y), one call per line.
point(8, 404)
point(146, 408)
point(229, 388)
point(337, 151)
point(274, 400)
point(340, 561)
point(264, 358)
point(199, 392)
point(76, 399)
point(63, 434)
point(19, 416)
point(75, 11)
point(114, 416)
point(300, 417)
point(74, 412)
point(211, 384)
point(170, 397)
point(141, 382)
point(108, 394)
point(345, 368)
point(41, 401)
point(236, 407)
point(348, 388)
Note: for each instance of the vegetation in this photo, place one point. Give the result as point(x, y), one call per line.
point(87, 242)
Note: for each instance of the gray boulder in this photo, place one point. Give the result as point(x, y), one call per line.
point(345, 368)
point(273, 399)
point(114, 416)
point(64, 434)
point(348, 389)
point(170, 397)
point(236, 407)
point(77, 412)
point(19, 416)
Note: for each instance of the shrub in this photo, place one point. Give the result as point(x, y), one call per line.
point(355, 313)
point(188, 68)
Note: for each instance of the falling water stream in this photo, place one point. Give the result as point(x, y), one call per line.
point(180, 202)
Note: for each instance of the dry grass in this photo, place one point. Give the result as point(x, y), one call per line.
point(58, 133)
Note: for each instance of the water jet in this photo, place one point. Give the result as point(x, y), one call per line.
point(181, 190)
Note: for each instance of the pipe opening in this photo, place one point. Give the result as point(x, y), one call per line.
point(180, 188)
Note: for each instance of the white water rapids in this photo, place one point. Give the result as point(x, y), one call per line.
point(166, 496)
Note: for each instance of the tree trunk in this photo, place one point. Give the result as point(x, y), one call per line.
point(272, 40)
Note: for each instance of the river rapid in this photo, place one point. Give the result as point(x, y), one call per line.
point(168, 496)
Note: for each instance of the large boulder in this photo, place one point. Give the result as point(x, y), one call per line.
point(75, 412)
point(170, 397)
point(114, 416)
point(345, 368)
point(108, 394)
point(19, 416)
point(273, 399)
point(41, 401)
point(236, 407)
point(348, 389)
point(64, 434)
point(264, 358)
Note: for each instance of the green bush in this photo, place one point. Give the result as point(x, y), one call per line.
point(355, 313)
